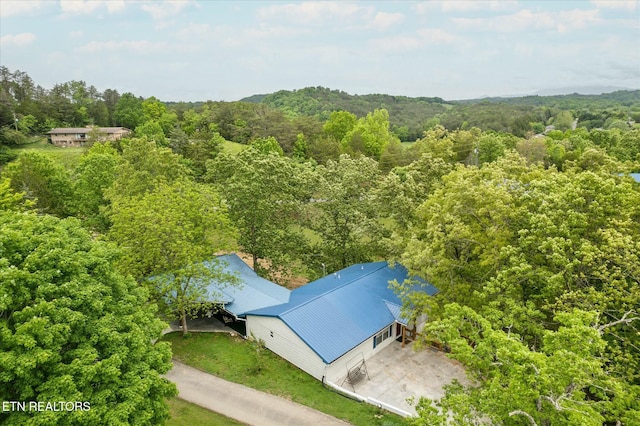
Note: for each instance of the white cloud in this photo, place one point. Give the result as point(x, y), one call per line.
point(525, 50)
point(163, 10)
point(615, 4)
point(85, 7)
point(326, 14)
point(76, 34)
point(139, 47)
point(205, 36)
point(383, 20)
point(18, 7)
point(116, 5)
point(79, 7)
point(397, 43)
point(436, 36)
point(193, 31)
point(18, 40)
point(422, 37)
point(525, 19)
point(465, 5)
point(314, 13)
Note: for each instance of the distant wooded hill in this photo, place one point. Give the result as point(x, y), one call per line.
point(409, 117)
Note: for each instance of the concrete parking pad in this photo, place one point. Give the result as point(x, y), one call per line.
point(199, 325)
point(397, 374)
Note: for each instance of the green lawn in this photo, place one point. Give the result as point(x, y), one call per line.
point(68, 157)
point(184, 413)
point(232, 147)
point(239, 361)
point(311, 235)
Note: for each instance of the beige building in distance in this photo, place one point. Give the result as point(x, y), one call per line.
point(78, 136)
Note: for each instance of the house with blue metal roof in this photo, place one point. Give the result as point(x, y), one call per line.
point(337, 322)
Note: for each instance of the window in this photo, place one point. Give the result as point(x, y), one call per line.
point(382, 336)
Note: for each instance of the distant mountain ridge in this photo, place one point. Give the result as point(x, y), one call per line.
point(410, 116)
point(559, 91)
point(581, 90)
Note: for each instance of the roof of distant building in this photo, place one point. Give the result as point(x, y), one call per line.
point(73, 130)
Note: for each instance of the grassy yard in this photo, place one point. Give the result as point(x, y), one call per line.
point(184, 413)
point(232, 147)
point(239, 361)
point(68, 157)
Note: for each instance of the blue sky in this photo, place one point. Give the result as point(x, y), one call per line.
point(215, 50)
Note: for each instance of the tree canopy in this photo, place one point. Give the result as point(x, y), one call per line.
point(73, 329)
point(523, 251)
point(167, 234)
point(265, 193)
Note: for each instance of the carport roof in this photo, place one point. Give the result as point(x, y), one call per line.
point(338, 312)
point(254, 292)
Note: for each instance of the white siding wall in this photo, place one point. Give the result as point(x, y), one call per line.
point(338, 368)
point(285, 343)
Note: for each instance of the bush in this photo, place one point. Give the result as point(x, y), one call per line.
point(9, 136)
point(6, 155)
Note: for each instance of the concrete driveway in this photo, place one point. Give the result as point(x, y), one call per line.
point(242, 403)
point(397, 373)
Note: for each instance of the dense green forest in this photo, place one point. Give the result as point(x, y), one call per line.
point(521, 211)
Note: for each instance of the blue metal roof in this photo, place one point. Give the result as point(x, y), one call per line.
point(396, 311)
point(254, 292)
point(338, 312)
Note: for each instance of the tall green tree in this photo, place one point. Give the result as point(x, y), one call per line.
point(153, 131)
point(143, 167)
point(563, 121)
point(490, 147)
point(166, 234)
point(265, 194)
point(509, 239)
point(199, 151)
point(438, 143)
point(128, 111)
point(42, 181)
point(339, 124)
point(73, 329)
point(157, 112)
point(402, 191)
point(525, 247)
point(10, 200)
point(459, 231)
point(343, 212)
point(566, 380)
point(110, 98)
point(267, 146)
point(94, 175)
point(370, 135)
